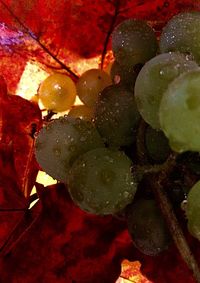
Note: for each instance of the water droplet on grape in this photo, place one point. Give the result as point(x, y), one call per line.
point(126, 194)
point(83, 139)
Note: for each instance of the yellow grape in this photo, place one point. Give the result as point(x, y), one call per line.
point(57, 92)
point(90, 84)
point(81, 111)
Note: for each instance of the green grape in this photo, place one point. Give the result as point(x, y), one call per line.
point(157, 145)
point(193, 210)
point(133, 42)
point(57, 92)
point(90, 84)
point(154, 79)
point(182, 34)
point(147, 227)
point(123, 75)
point(82, 112)
point(61, 142)
point(116, 116)
point(100, 181)
point(180, 112)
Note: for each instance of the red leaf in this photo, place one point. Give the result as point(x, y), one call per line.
point(55, 241)
point(19, 120)
point(18, 168)
point(70, 30)
point(66, 244)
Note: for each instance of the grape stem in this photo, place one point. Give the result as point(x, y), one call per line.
point(49, 115)
point(35, 38)
point(114, 18)
point(170, 217)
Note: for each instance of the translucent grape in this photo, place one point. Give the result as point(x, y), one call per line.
point(82, 112)
point(147, 227)
point(193, 210)
point(180, 112)
point(57, 92)
point(182, 34)
point(157, 145)
point(90, 84)
point(133, 42)
point(153, 80)
point(116, 116)
point(101, 182)
point(61, 142)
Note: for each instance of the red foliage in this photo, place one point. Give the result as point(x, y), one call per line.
point(69, 29)
point(55, 241)
point(18, 167)
point(19, 120)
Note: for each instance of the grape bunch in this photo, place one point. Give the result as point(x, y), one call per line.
point(146, 109)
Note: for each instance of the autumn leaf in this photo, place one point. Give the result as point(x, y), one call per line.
point(55, 241)
point(20, 119)
point(57, 33)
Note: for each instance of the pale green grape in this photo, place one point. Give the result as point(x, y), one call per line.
point(182, 33)
point(57, 92)
point(100, 181)
point(61, 142)
point(153, 80)
point(193, 210)
point(116, 116)
point(90, 84)
point(180, 112)
point(133, 42)
point(147, 227)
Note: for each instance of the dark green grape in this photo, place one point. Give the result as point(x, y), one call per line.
point(182, 34)
point(193, 162)
point(116, 116)
point(133, 42)
point(123, 75)
point(157, 145)
point(193, 210)
point(154, 79)
point(61, 142)
point(180, 112)
point(147, 227)
point(100, 181)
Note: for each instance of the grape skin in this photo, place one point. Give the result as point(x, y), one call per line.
point(133, 42)
point(90, 84)
point(193, 210)
point(147, 227)
point(123, 75)
point(57, 92)
point(82, 112)
point(100, 181)
point(157, 145)
point(180, 111)
point(182, 34)
point(116, 116)
point(61, 142)
point(153, 80)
